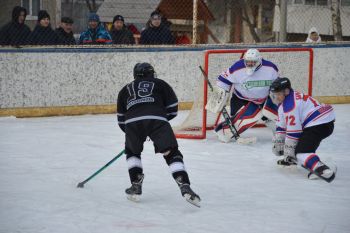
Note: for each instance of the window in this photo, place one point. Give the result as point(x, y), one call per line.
point(345, 2)
point(322, 2)
point(32, 6)
point(298, 1)
point(310, 2)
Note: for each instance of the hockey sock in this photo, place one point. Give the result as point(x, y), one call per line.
point(177, 167)
point(135, 167)
point(310, 161)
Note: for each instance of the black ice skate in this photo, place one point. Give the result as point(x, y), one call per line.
point(322, 171)
point(188, 194)
point(134, 192)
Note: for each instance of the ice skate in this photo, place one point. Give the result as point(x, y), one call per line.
point(322, 171)
point(134, 192)
point(189, 195)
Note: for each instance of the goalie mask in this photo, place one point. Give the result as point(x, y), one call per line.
point(143, 70)
point(252, 60)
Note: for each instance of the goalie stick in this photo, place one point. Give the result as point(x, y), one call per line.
point(227, 118)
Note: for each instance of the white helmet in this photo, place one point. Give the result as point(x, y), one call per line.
point(252, 60)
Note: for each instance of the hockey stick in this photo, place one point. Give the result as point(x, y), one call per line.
point(227, 117)
point(81, 184)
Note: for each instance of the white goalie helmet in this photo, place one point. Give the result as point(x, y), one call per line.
point(252, 60)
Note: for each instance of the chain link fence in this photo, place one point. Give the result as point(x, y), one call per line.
point(172, 22)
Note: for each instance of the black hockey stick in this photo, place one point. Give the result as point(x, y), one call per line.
point(223, 111)
point(81, 184)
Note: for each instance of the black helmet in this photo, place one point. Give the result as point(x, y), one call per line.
point(143, 70)
point(280, 84)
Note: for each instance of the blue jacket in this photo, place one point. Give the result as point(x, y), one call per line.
point(98, 36)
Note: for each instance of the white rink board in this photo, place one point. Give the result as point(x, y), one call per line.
point(48, 79)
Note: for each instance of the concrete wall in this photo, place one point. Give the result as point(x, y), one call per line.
point(71, 77)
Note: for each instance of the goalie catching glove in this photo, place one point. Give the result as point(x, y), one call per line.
point(217, 100)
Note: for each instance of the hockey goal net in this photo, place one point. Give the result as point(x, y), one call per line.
point(294, 63)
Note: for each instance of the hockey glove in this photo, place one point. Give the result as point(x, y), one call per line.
point(278, 144)
point(289, 148)
point(287, 161)
point(217, 100)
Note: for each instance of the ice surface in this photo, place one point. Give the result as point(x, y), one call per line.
point(241, 187)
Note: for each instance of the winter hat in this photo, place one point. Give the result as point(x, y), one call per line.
point(155, 13)
point(67, 20)
point(43, 14)
point(118, 17)
point(94, 17)
point(16, 12)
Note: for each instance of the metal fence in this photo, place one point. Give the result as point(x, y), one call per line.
point(174, 22)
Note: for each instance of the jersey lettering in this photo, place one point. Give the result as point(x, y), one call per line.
point(145, 88)
point(313, 101)
point(141, 95)
point(291, 120)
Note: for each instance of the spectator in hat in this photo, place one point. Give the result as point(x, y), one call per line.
point(95, 33)
point(156, 32)
point(313, 36)
point(120, 33)
point(16, 31)
point(65, 31)
point(43, 34)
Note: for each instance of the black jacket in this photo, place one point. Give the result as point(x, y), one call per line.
point(64, 37)
point(43, 36)
point(146, 98)
point(123, 36)
point(14, 33)
point(157, 35)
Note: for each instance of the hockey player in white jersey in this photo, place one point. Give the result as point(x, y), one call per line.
point(249, 81)
point(301, 126)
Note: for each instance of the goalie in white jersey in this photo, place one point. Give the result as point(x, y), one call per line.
point(249, 80)
point(301, 126)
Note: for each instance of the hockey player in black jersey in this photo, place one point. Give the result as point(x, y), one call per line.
point(144, 108)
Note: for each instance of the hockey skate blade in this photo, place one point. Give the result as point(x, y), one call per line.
point(134, 197)
point(246, 141)
point(195, 201)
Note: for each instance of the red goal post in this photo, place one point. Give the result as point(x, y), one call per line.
point(294, 63)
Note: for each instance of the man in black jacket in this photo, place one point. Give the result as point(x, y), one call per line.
point(120, 33)
point(43, 34)
point(65, 33)
point(15, 32)
point(156, 32)
point(144, 108)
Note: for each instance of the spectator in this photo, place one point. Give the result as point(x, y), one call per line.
point(313, 36)
point(15, 32)
point(156, 32)
point(182, 38)
point(120, 33)
point(65, 32)
point(95, 33)
point(43, 34)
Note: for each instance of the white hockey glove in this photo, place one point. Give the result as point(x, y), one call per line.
point(217, 100)
point(278, 144)
point(289, 154)
point(289, 148)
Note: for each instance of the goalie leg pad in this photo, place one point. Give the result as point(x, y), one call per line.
point(270, 110)
point(247, 117)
